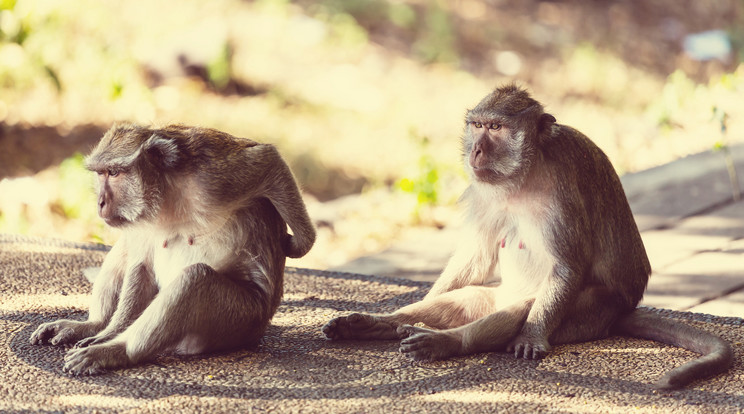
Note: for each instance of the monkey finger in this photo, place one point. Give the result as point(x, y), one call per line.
point(85, 342)
point(64, 336)
point(519, 351)
point(79, 362)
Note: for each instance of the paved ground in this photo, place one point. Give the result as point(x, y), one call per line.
point(297, 370)
point(692, 228)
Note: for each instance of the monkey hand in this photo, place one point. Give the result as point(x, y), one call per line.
point(428, 345)
point(62, 332)
point(93, 340)
point(95, 359)
point(529, 346)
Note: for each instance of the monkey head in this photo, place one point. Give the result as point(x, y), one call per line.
point(130, 161)
point(502, 133)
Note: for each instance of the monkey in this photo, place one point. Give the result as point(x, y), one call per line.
point(550, 253)
point(199, 264)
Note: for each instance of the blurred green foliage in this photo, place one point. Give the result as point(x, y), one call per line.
point(76, 196)
point(424, 183)
point(436, 42)
point(339, 84)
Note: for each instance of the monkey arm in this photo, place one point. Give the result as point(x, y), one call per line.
point(137, 291)
point(279, 186)
point(558, 291)
point(107, 284)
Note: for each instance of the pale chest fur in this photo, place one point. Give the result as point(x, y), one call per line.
point(514, 237)
point(523, 262)
point(170, 253)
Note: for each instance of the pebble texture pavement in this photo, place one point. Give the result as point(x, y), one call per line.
point(296, 370)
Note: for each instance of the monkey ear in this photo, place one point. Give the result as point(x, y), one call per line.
point(546, 121)
point(161, 151)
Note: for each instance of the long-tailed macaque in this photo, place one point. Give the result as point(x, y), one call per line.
point(199, 266)
point(551, 253)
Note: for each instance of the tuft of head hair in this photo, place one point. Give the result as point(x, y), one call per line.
point(122, 145)
point(508, 100)
point(514, 105)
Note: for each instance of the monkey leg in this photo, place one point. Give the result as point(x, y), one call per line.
point(200, 311)
point(590, 317)
point(490, 333)
point(450, 309)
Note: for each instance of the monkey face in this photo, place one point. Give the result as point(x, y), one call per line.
point(120, 199)
point(494, 151)
point(127, 189)
point(501, 135)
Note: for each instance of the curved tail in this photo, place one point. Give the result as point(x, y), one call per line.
point(717, 355)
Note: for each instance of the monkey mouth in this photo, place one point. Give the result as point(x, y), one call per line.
point(115, 221)
point(485, 174)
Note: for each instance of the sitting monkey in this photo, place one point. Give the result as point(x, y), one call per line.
point(551, 253)
point(199, 266)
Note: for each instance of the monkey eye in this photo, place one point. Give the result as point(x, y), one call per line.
point(477, 125)
point(494, 127)
point(113, 172)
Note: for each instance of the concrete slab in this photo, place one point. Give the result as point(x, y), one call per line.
point(421, 256)
point(666, 247)
point(700, 278)
point(661, 196)
point(727, 305)
point(727, 221)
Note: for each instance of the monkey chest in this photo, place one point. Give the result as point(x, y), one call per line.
point(523, 263)
point(174, 254)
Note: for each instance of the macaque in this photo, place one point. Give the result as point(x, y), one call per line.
point(550, 254)
point(199, 265)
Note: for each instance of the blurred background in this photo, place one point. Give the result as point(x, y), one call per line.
point(364, 98)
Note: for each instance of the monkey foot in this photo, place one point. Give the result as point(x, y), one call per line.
point(360, 326)
point(60, 332)
point(528, 348)
point(95, 359)
point(428, 345)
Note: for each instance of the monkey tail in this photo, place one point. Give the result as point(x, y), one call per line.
point(717, 355)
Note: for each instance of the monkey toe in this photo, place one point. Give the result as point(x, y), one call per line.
point(86, 342)
point(331, 329)
point(405, 331)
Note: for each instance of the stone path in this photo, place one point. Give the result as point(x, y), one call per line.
point(691, 226)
